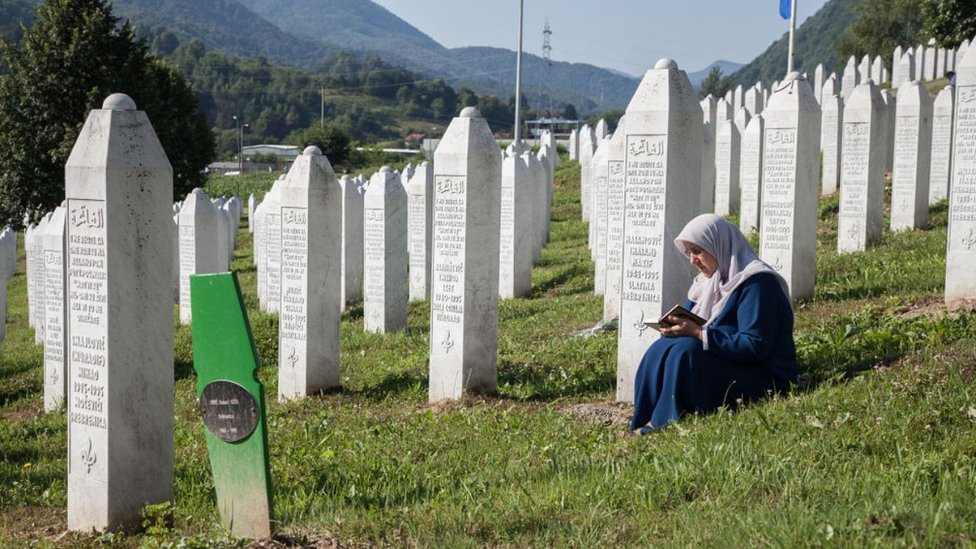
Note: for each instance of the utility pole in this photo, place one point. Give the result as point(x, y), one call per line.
point(547, 68)
point(790, 64)
point(518, 79)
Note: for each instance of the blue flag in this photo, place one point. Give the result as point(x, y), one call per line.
point(784, 8)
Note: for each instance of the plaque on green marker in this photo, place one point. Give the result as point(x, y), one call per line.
point(231, 404)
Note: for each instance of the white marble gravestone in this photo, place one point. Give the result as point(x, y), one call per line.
point(898, 74)
point(352, 241)
point(120, 320)
point(941, 160)
point(598, 226)
point(859, 221)
point(865, 69)
point(727, 144)
point(574, 145)
point(750, 175)
point(615, 220)
point(420, 212)
point(587, 148)
point(888, 127)
point(311, 261)
point(850, 79)
point(707, 191)
point(960, 286)
point(877, 68)
point(831, 122)
point(913, 149)
point(788, 237)
point(930, 69)
point(271, 247)
point(662, 154)
point(385, 293)
point(515, 229)
point(919, 55)
point(37, 275)
point(464, 280)
point(55, 370)
point(818, 81)
point(539, 219)
point(252, 203)
point(200, 247)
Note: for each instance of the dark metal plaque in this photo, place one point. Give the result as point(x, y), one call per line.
point(229, 410)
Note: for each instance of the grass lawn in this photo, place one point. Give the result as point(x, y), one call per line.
point(878, 448)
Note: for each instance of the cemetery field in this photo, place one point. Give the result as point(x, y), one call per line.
point(877, 447)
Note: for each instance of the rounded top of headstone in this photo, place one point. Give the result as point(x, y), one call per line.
point(470, 112)
point(197, 191)
point(666, 63)
point(386, 169)
point(312, 150)
point(119, 102)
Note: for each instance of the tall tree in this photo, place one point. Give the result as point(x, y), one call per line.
point(76, 54)
point(882, 25)
point(950, 21)
point(714, 84)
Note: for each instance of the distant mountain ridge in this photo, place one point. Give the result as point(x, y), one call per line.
point(727, 68)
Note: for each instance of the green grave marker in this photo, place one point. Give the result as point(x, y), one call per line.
point(232, 404)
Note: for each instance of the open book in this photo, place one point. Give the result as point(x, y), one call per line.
point(679, 312)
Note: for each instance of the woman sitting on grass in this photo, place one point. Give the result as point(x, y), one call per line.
point(745, 348)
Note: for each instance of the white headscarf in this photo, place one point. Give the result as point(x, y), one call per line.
point(736, 263)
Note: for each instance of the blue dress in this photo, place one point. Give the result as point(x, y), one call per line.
point(750, 353)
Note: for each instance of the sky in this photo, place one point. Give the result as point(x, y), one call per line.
point(626, 35)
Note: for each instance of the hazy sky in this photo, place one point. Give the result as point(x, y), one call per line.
point(627, 35)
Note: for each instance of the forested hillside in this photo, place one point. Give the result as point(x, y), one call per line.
point(815, 43)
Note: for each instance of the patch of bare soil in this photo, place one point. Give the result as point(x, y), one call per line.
point(29, 524)
point(929, 306)
point(606, 413)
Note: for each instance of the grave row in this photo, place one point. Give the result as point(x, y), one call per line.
point(119, 257)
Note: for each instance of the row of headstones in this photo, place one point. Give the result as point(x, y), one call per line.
point(659, 150)
point(924, 63)
point(119, 260)
point(206, 230)
point(386, 228)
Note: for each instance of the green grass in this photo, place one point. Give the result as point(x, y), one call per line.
point(878, 450)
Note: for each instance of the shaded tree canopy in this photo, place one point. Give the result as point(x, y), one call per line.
point(332, 141)
point(76, 54)
point(714, 84)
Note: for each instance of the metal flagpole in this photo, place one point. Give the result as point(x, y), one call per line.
point(790, 64)
point(518, 77)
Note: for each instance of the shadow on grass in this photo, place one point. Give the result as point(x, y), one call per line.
point(560, 279)
point(394, 383)
point(547, 382)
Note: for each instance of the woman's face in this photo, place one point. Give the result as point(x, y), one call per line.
point(702, 260)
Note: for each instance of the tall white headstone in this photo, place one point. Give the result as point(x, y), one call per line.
point(515, 229)
point(862, 170)
point(464, 286)
point(385, 293)
point(831, 122)
point(942, 124)
point(960, 286)
point(271, 247)
point(920, 65)
point(663, 153)
point(913, 149)
point(120, 319)
point(750, 175)
point(199, 244)
point(850, 79)
point(599, 226)
point(55, 370)
point(615, 219)
point(727, 143)
point(420, 212)
point(352, 241)
point(587, 148)
point(788, 238)
point(311, 262)
point(818, 81)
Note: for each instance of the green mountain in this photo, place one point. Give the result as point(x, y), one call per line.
point(814, 44)
point(13, 13)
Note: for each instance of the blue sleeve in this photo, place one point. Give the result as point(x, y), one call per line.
point(759, 313)
point(688, 304)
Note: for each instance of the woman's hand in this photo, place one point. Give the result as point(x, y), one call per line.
point(681, 326)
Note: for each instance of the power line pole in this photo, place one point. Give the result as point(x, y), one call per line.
point(547, 68)
point(518, 78)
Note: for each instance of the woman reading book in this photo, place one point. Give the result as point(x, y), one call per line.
point(744, 349)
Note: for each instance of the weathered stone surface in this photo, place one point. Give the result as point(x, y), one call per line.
point(831, 123)
point(200, 250)
point(385, 292)
point(960, 287)
point(352, 241)
point(120, 320)
point(464, 285)
point(913, 149)
point(941, 161)
point(727, 143)
point(420, 212)
point(663, 153)
point(55, 365)
point(862, 170)
point(515, 229)
point(750, 175)
point(788, 237)
point(615, 219)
